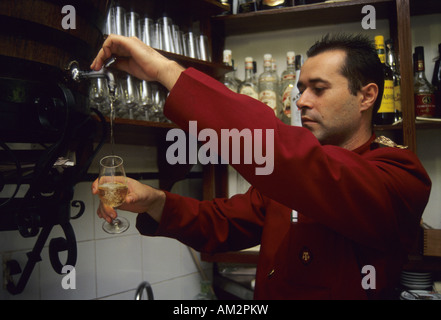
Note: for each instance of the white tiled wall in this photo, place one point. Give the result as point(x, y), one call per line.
point(111, 266)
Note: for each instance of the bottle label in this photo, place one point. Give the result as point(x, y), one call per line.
point(289, 76)
point(425, 105)
point(249, 91)
point(269, 98)
point(286, 101)
point(420, 65)
point(387, 103)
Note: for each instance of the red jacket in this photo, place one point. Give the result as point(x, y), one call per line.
point(356, 208)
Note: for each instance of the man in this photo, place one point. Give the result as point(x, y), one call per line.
point(358, 205)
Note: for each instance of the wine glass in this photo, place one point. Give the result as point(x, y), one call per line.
point(99, 95)
point(112, 190)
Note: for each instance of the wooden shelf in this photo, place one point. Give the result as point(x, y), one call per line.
point(299, 16)
point(427, 124)
point(138, 132)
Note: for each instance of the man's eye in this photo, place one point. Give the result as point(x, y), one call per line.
point(319, 90)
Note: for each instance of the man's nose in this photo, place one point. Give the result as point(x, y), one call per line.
point(303, 101)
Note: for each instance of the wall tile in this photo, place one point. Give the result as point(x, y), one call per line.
point(85, 277)
point(118, 264)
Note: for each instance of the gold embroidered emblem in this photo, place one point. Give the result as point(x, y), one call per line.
point(305, 255)
point(388, 143)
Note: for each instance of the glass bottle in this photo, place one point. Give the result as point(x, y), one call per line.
point(230, 77)
point(268, 86)
point(424, 92)
point(296, 113)
point(227, 4)
point(249, 86)
point(248, 6)
point(274, 4)
point(386, 113)
point(436, 82)
point(288, 80)
point(276, 76)
point(391, 61)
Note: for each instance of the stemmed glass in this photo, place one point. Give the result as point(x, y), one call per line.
point(99, 95)
point(112, 187)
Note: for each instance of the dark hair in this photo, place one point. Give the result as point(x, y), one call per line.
point(362, 65)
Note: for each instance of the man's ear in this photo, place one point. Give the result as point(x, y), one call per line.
point(369, 96)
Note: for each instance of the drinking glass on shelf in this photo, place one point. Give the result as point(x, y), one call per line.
point(145, 100)
point(167, 36)
point(158, 100)
point(177, 39)
point(132, 24)
point(118, 21)
point(158, 37)
point(99, 95)
point(204, 51)
point(146, 30)
point(129, 96)
point(112, 190)
point(191, 45)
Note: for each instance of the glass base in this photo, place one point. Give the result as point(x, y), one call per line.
point(118, 225)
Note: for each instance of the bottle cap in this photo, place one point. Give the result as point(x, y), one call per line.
point(419, 53)
point(227, 57)
point(379, 40)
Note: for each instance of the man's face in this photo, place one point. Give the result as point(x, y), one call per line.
point(329, 110)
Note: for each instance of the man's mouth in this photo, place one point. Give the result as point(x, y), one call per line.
point(307, 120)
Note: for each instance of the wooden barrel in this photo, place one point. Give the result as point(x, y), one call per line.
point(32, 30)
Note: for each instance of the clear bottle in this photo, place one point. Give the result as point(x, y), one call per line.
point(287, 83)
point(248, 6)
point(424, 92)
point(227, 4)
point(436, 82)
point(268, 85)
point(296, 113)
point(230, 79)
point(392, 62)
point(276, 76)
point(274, 4)
point(386, 113)
point(249, 85)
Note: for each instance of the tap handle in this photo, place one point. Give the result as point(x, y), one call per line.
point(109, 61)
point(73, 69)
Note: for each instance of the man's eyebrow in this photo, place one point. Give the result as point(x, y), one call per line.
point(313, 81)
point(319, 80)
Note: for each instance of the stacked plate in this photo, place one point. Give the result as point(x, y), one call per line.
point(416, 280)
point(419, 295)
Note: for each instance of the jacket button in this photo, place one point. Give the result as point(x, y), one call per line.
point(271, 273)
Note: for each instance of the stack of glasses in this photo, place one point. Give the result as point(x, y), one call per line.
point(136, 99)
